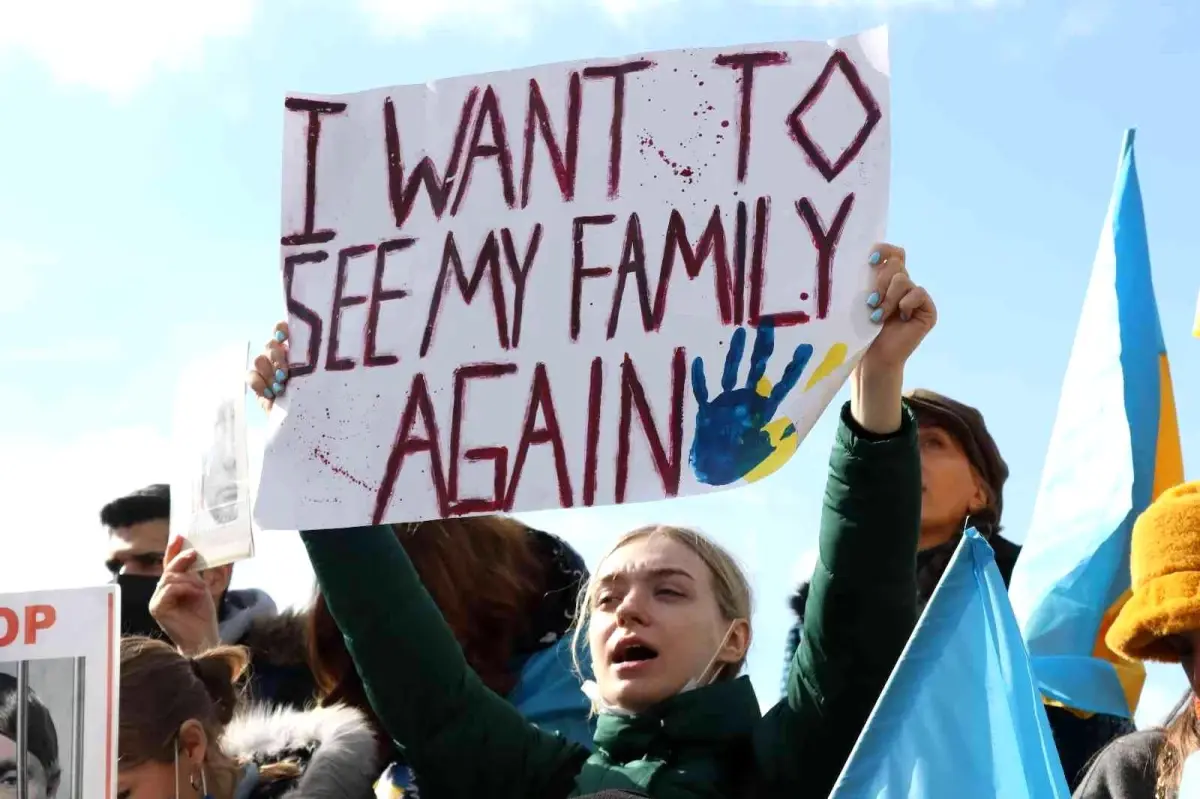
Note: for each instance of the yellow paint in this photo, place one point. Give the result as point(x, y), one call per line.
point(1168, 460)
point(833, 359)
point(783, 448)
point(1196, 321)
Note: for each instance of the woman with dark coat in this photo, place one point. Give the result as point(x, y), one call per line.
point(962, 486)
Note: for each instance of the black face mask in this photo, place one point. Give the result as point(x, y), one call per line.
point(136, 591)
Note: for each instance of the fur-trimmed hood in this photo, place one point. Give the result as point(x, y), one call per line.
point(334, 747)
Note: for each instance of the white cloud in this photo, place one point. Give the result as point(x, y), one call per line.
point(506, 18)
point(1083, 20)
point(117, 45)
point(19, 268)
point(54, 492)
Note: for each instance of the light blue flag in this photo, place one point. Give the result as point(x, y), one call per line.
point(1113, 449)
point(961, 714)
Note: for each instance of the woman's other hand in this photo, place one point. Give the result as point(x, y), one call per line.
point(269, 376)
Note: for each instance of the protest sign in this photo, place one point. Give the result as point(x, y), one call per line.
point(210, 485)
point(532, 289)
point(59, 672)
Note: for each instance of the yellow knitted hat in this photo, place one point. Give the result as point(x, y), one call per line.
point(1164, 561)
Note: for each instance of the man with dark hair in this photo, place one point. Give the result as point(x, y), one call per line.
point(42, 770)
point(138, 526)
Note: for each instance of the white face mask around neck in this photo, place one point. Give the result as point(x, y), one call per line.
point(592, 691)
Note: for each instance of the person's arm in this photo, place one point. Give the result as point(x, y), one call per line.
point(861, 608)
point(460, 738)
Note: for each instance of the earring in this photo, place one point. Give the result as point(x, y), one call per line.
point(200, 785)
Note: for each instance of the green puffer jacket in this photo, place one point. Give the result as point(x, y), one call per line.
point(464, 741)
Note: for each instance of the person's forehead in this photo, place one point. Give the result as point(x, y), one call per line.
point(139, 538)
point(651, 555)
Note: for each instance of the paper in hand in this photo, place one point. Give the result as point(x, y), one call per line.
point(210, 485)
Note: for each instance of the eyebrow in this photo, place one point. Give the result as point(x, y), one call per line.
point(608, 579)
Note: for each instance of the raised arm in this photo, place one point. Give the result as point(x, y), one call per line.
point(460, 738)
point(862, 599)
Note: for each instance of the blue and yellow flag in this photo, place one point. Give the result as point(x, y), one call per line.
point(1114, 448)
point(961, 714)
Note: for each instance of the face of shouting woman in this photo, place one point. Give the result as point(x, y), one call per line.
point(656, 624)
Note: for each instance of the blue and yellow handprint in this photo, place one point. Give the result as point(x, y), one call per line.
point(737, 435)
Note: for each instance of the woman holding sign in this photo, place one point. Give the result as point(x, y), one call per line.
point(666, 619)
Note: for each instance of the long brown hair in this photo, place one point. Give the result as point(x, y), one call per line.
point(1181, 739)
point(482, 573)
point(162, 689)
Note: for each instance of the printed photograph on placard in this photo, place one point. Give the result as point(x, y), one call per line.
point(210, 489)
point(41, 704)
point(58, 680)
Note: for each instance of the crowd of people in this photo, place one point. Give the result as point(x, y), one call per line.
point(477, 656)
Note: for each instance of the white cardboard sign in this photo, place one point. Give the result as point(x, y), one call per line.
point(210, 486)
point(524, 290)
point(59, 657)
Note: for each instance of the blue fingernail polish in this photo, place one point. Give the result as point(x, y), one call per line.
point(279, 336)
point(280, 375)
point(873, 300)
point(877, 315)
point(268, 393)
point(874, 259)
point(278, 388)
point(904, 316)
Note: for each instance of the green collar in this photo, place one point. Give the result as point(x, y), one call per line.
point(705, 718)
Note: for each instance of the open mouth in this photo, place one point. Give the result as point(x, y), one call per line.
point(632, 651)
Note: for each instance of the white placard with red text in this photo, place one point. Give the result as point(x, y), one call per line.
point(64, 644)
point(523, 290)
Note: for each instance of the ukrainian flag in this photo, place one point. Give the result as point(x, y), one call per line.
point(1113, 449)
point(961, 715)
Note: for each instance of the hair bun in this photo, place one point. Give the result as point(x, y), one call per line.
point(219, 670)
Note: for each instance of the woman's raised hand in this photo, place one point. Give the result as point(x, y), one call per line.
point(907, 314)
point(269, 376)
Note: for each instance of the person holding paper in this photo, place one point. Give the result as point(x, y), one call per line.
point(1160, 623)
point(667, 626)
point(42, 770)
point(138, 533)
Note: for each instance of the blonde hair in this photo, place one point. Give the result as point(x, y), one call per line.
point(732, 589)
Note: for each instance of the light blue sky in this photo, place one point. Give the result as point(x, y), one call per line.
point(139, 197)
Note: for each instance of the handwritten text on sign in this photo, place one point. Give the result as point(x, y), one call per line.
point(532, 289)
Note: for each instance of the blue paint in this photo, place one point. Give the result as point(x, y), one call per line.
point(730, 437)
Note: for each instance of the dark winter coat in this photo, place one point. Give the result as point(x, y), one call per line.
point(279, 673)
point(465, 741)
point(1077, 739)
